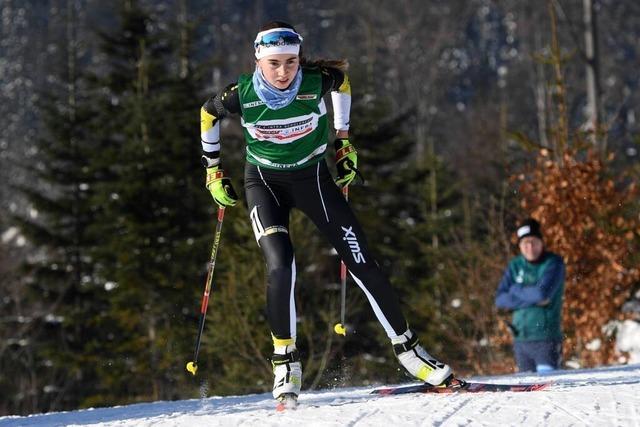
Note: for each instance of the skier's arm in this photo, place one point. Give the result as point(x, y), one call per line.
point(337, 82)
point(215, 109)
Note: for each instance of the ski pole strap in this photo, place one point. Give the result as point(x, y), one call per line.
point(283, 359)
point(213, 174)
point(406, 346)
point(342, 152)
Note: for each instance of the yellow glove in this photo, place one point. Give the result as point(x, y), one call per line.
point(346, 162)
point(220, 188)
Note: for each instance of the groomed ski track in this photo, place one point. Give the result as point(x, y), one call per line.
point(607, 396)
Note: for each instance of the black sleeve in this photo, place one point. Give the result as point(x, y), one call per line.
point(227, 101)
point(332, 79)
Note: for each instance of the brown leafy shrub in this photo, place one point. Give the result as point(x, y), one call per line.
point(589, 219)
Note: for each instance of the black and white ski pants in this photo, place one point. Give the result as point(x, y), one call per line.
point(271, 194)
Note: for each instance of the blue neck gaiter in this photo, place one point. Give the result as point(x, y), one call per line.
point(273, 97)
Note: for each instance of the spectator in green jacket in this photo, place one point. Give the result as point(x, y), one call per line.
point(532, 287)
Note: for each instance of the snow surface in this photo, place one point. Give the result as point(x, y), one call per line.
point(597, 397)
point(628, 339)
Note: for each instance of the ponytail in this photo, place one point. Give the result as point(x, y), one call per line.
point(340, 64)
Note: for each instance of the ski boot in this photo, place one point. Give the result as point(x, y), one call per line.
point(287, 401)
point(287, 371)
point(418, 362)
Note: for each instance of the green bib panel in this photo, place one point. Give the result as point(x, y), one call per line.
point(292, 137)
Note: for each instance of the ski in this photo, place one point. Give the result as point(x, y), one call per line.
point(460, 386)
point(287, 401)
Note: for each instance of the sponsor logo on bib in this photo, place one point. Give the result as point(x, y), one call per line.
point(307, 96)
point(252, 104)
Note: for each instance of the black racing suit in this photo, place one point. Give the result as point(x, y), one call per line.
point(271, 194)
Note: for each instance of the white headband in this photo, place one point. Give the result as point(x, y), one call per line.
point(263, 50)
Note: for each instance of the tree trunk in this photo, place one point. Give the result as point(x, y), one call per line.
point(72, 54)
point(540, 88)
point(561, 139)
point(433, 193)
point(592, 71)
point(183, 20)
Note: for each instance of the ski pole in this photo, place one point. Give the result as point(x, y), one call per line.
point(193, 365)
point(340, 328)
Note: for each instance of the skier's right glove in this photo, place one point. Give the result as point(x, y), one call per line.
point(220, 188)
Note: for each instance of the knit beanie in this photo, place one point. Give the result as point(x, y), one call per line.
point(529, 227)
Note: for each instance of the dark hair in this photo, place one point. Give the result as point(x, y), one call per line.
point(340, 64)
point(276, 24)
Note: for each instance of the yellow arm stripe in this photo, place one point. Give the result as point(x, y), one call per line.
point(345, 87)
point(206, 120)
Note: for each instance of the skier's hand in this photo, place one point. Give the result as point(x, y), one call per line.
point(220, 187)
point(346, 162)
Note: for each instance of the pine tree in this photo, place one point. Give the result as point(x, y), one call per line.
point(121, 215)
point(58, 277)
point(151, 211)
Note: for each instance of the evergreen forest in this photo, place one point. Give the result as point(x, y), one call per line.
point(468, 116)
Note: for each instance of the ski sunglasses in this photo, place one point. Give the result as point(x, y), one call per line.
point(277, 37)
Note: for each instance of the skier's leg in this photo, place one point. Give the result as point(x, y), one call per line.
point(330, 212)
point(281, 312)
point(281, 276)
point(269, 216)
point(323, 203)
point(270, 220)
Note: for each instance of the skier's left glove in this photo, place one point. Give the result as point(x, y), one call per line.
point(346, 162)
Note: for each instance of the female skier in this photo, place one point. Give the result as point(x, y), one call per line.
point(284, 120)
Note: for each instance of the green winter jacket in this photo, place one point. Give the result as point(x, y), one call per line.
point(524, 285)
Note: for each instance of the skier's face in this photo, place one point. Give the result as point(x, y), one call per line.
point(279, 69)
point(531, 248)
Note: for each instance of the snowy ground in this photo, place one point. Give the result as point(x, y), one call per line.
point(598, 397)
